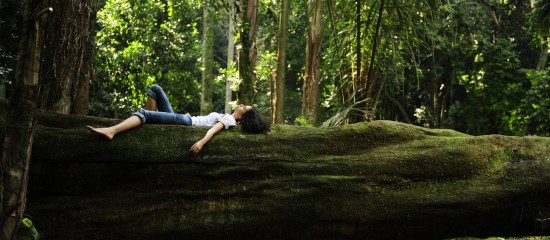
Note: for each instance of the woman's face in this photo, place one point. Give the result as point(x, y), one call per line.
point(242, 109)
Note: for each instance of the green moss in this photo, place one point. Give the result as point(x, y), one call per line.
point(293, 183)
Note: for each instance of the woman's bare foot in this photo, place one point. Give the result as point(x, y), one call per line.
point(105, 132)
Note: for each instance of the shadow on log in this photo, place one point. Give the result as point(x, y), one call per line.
point(377, 180)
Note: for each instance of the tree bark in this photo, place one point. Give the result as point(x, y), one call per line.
point(312, 76)
point(541, 65)
point(20, 123)
point(230, 56)
point(248, 52)
point(68, 57)
point(82, 88)
point(280, 74)
point(207, 58)
point(377, 180)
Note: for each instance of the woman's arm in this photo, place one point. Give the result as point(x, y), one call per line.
point(213, 130)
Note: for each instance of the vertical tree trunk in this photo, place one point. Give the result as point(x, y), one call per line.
point(358, 41)
point(230, 55)
point(247, 55)
point(371, 76)
point(207, 58)
point(68, 57)
point(541, 65)
point(82, 90)
point(280, 76)
point(20, 124)
point(313, 47)
point(541, 20)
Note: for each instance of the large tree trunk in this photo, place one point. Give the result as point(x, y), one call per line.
point(312, 78)
point(82, 83)
point(377, 180)
point(248, 52)
point(68, 57)
point(277, 105)
point(207, 58)
point(20, 123)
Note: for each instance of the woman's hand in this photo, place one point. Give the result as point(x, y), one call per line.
point(213, 130)
point(196, 147)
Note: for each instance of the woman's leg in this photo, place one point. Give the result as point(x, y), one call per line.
point(140, 117)
point(151, 104)
point(163, 117)
point(110, 132)
point(157, 99)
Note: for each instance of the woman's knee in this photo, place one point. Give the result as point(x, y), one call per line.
point(154, 91)
point(142, 115)
point(156, 88)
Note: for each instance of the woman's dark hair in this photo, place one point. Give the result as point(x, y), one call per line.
point(253, 122)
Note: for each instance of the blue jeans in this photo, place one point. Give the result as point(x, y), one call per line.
point(165, 114)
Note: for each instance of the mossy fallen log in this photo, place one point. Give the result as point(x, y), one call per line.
point(377, 180)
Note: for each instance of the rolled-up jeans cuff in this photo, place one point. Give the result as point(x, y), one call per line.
point(140, 115)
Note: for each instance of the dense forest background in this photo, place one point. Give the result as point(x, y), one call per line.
point(479, 67)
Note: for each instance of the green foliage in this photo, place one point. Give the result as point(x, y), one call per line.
point(448, 60)
point(346, 114)
point(267, 44)
point(532, 116)
point(495, 87)
point(302, 121)
point(141, 43)
point(264, 68)
point(27, 230)
point(541, 17)
point(439, 63)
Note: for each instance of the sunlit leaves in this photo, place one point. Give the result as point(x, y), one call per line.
point(146, 42)
point(533, 114)
point(469, 47)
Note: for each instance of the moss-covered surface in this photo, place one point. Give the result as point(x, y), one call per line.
point(377, 180)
